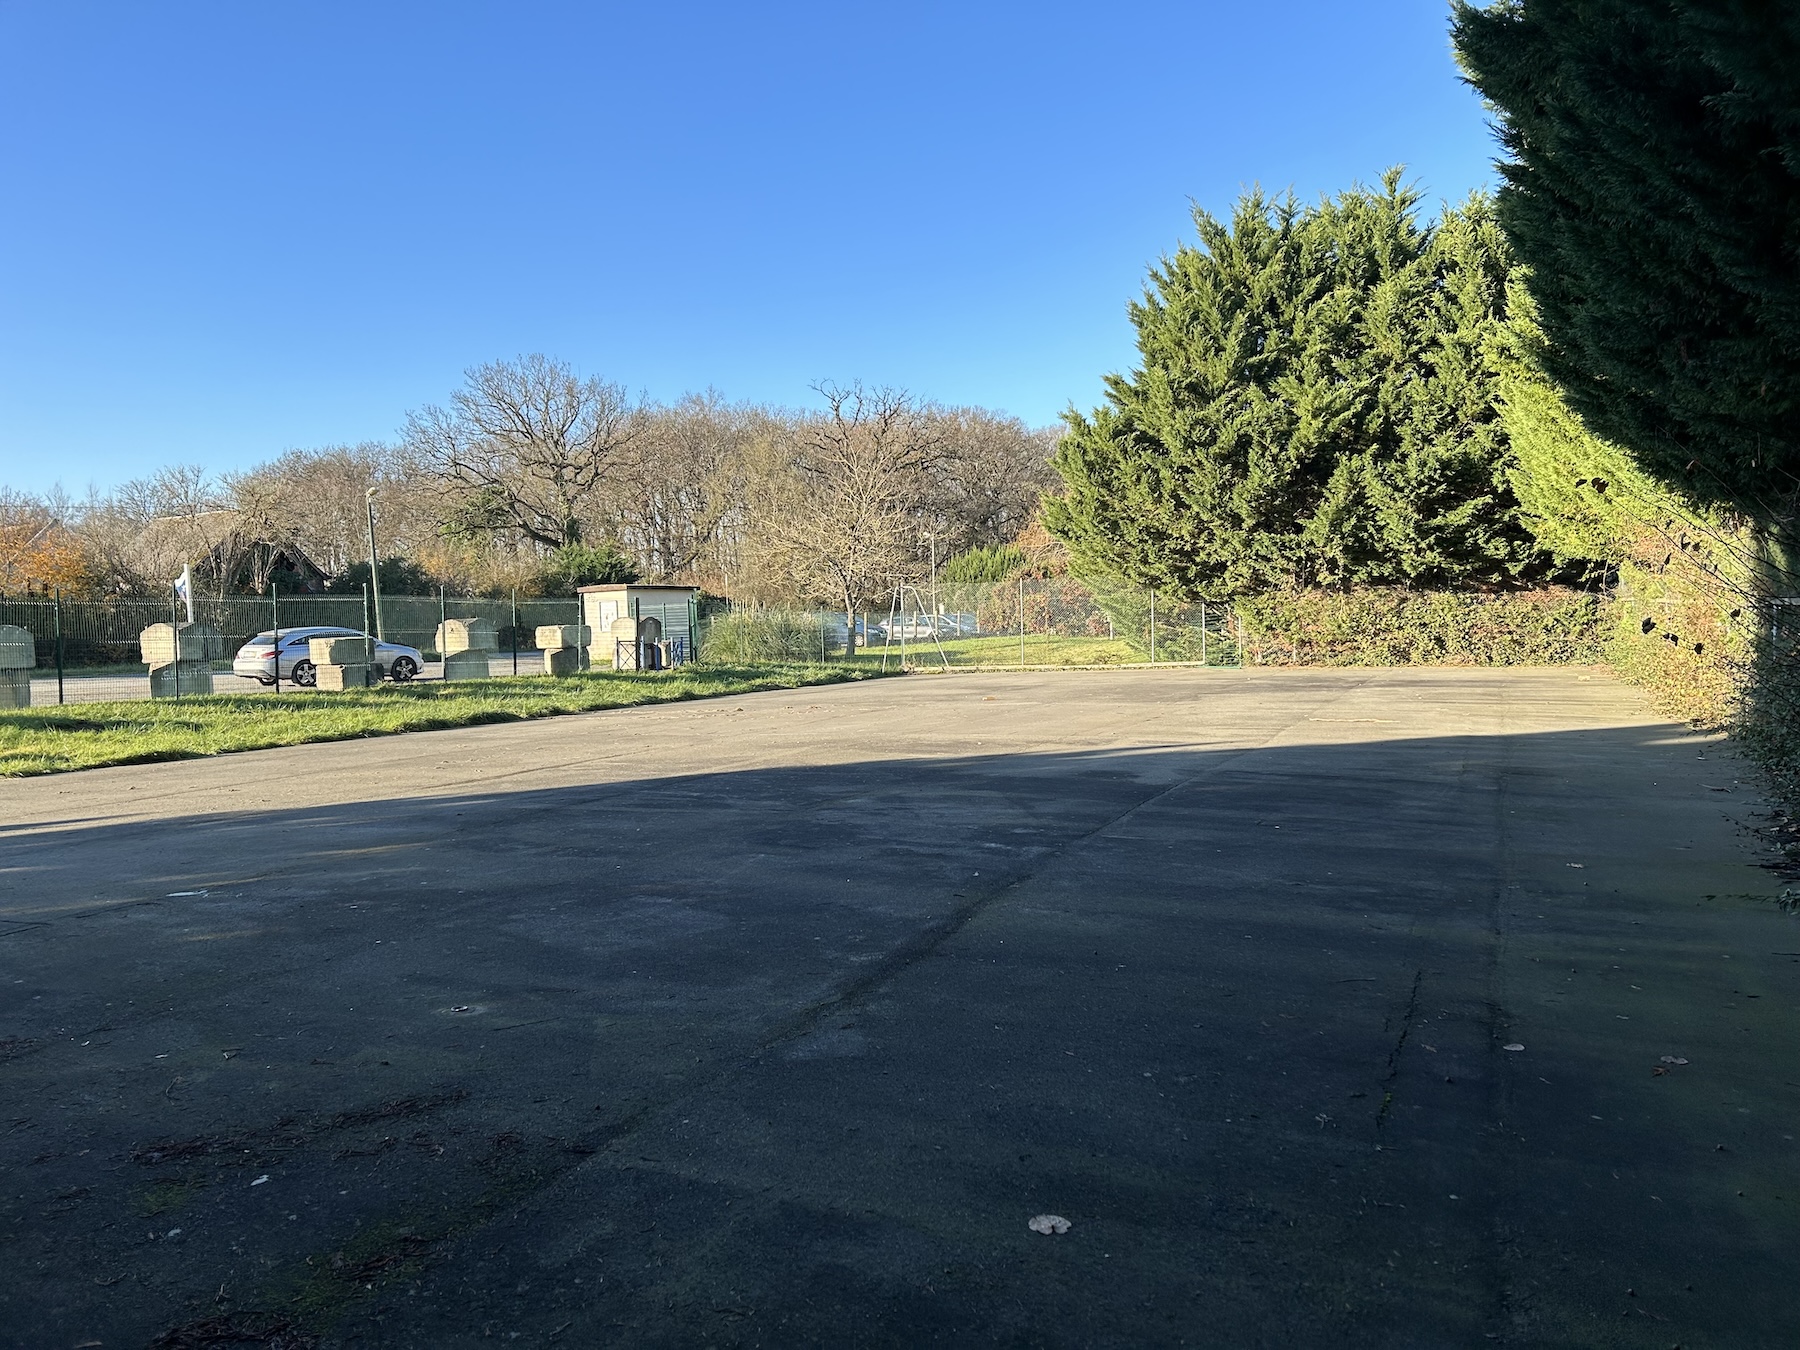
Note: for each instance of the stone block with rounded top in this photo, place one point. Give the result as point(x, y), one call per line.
point(628, 629)
point(632, 642)
point(18, 649)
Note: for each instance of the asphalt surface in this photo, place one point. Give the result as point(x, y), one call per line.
point(1329, 1008)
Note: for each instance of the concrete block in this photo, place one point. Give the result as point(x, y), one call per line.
point(339, 651)
point(554, 635)
point(341, 677)
point(466, 665)
point(465, 635)
point(18, 650)
point(171, 679)
point(199, 642)
point(15, 688)
point(629, 629)
point(565, 660)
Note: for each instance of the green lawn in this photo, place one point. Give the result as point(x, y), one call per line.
point(89, 735)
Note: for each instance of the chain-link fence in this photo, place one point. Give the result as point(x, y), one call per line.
point(1017, 624)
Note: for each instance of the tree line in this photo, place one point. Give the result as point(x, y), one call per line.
point(532, 476)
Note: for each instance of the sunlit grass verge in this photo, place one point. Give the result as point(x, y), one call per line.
point(1002, 652)
point(1044, 650)
point(91, 735)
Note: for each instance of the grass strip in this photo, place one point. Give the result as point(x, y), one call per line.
point(93, 735)
point(1002, 650)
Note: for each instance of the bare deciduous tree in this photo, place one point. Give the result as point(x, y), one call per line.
point(314, 499)
point(683, 487)
point(989, 480)
point(834, 508)
point(754, 502)
point(526, 446)
point(146, 530)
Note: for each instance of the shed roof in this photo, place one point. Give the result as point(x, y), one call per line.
point(623, 586)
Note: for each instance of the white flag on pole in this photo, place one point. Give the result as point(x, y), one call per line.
point(184, 587)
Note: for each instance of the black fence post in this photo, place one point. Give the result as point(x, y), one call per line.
point(275, 623)
point(59, 647)
point(515, 629)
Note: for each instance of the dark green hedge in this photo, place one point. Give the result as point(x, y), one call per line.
point(1392, 627)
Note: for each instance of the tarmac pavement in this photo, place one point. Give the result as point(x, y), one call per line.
point(1428, 1007)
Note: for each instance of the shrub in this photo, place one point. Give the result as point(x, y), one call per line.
point(398, 576)
point(1002, 562)
point(749, 636)
point(1680, 636)
point(1768, 727)
point(1391, 627)
point(575, 565)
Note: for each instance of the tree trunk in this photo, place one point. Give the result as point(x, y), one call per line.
point(849, 631)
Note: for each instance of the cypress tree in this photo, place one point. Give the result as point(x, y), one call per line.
point(1653, 187)
point(1312, 407)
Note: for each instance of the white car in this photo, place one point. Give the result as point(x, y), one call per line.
point(256, 658)
point(919, 627)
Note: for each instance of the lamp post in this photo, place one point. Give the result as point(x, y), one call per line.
point(936, 609)
point(374, 583)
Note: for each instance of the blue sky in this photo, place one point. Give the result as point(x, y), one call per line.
point(231, 229)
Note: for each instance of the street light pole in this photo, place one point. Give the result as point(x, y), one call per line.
point(374, 567)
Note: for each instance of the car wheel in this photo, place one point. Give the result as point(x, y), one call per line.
point(306, 674)
point(266, 682)
point(403, 669)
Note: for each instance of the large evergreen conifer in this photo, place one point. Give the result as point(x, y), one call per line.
point(1654, 189)
point(1312, 408)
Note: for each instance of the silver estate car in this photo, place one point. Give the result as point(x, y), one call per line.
point(256, 658)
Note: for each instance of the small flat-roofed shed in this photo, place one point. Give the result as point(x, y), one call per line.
point(674, 606)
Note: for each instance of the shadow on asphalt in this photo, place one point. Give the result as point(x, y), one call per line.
point(790, 1056)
